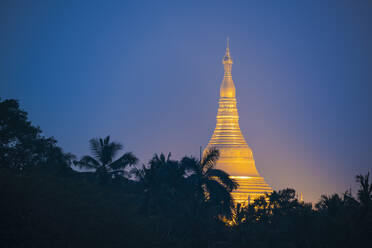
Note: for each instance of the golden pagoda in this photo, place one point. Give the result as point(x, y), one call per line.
point(236, 158)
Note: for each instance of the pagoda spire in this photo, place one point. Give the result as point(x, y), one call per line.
point(227, 60)
point(228, 46)
point(236, 157)
point(227, 87)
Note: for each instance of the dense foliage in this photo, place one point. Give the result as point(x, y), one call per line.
point(187, 203)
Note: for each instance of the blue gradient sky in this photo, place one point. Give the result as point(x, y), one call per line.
point(149, 73)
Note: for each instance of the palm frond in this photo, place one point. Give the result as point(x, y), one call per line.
point(87, 162)
point(134, 172)
point(70, 158)
point(220, 197)
point(224, 178)
point(95, 146)
point(190, 164)
point(157, 160)
point(112, 149)
point(125, 160)
point(365, 189)
point(104, 150)
point(210, 158)
point(168, 157)
point(106, 141)
point(154, 160)
point(139, 173)
point(162, 158)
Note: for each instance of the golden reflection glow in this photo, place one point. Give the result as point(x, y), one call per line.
point(236, 158)
point(239, 177)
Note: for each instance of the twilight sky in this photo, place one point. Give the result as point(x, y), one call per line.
point(148, 73)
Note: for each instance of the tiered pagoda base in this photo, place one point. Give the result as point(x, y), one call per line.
point(250, 188)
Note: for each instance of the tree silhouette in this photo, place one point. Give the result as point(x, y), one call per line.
point(213, 186)
point(47, 204)
point(103, 161)
point(22, 144)
point(163, 181)
point(365, 191)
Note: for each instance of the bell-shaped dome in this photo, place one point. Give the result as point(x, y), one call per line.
point(227, 87)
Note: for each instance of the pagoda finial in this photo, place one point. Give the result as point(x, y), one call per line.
point(228, 46)
point(227, 58)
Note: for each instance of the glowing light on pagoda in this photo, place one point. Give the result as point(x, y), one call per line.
point(236, 157)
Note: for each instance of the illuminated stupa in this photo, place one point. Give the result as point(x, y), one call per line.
point(236, 158)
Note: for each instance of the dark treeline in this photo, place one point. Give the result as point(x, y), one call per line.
point(44, 202)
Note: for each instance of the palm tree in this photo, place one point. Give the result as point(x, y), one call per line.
point(213, 186)
point(365, 191)
point(103, 161)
